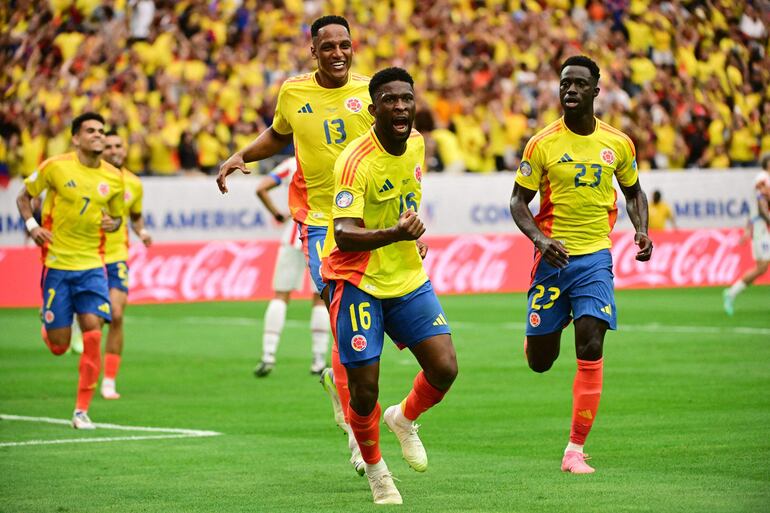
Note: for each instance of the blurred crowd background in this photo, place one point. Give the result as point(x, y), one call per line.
point(188, 82)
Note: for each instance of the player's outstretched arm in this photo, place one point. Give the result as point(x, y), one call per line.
point(266, 184)
point(636, 205)
point(267, 144)
point(36, 232)
point(552, 250)
point(137, 223)
point(351, 235)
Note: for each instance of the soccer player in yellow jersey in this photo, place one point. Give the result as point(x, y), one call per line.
point(116, 260)
point(571, 163)
point(84, 199)
point(377, 283)
point(321, 112)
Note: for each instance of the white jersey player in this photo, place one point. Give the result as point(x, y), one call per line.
point(759, 229)
point(288, 276)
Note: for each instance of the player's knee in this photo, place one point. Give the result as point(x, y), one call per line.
point(589, 350)
point(539, 365)
point(444, 373)
point(58, 349)
point(363, 396)
point(117, 319)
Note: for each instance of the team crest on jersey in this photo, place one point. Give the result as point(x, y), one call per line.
point(525, 169)
point(358, 342)
point(534, 319)
point(49, 316)
point(343, 199)
point(418, 173)
point(354, 105)
point(127, 196)
point(608, 156)
point(103, 188)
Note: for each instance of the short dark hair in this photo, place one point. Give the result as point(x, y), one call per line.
point(86, 116)
point(327, 20)
point(111, 132)
point(656, 196)
point(586, 62)
point(387, 75)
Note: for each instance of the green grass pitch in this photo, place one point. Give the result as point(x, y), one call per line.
point(683, 426)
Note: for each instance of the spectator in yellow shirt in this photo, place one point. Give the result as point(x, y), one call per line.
point(660, 212)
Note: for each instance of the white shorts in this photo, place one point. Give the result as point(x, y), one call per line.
point(760, 241)
point(289, 270)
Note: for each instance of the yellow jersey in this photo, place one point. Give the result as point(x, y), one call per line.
point(573, 174)
point(323, 122)
point(73, 207)
point(117, 242)
point(659, 213)
point(373, 185)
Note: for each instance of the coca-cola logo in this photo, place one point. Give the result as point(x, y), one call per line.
point(473, 263)
point(705, 257)
point(217, 270)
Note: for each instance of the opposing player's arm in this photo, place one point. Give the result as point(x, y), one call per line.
point(36, 232)
point(266, 184)
point(763, 209)
point(351, 235)
point(552, 250)
point(267, 144)
point(636, 205)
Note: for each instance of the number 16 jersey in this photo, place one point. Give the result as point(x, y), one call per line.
point(323, 121)
point(573, 174)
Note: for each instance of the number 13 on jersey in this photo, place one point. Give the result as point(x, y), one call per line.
point(335, 131)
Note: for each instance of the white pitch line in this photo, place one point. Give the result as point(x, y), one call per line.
point(649, 328)
point(171, 432)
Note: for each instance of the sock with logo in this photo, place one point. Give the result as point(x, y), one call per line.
point(586, 391)
point(422, 397)
point(56, 349)
point(366, 429)
point(90, 362)
point(111, 365)
point(319, 330)
point(275, 318)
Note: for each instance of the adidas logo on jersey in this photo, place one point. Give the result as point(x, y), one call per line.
point(607, 309)
point(71, 183)
point(565, 158)
point(440, 320)
point(387, 186)
point(305, 110)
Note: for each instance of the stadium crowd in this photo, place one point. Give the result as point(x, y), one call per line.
point(187, 82)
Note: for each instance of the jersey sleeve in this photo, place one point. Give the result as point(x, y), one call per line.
point(349, 187)
point(280, 122)
point(626, 171)
point(136, 206)
point(531, 168)
point(38, 181)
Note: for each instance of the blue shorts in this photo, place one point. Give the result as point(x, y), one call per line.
point(584, 287)
point(69, 292)
point(312, 238)
point(117, 276)
point(360, 321)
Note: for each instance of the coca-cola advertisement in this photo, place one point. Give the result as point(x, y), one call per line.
point(461, 264)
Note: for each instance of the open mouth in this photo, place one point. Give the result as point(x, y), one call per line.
point(571, 102)
point(339, 65)
point(401, 125)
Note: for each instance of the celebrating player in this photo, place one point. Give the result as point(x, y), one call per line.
point(321, 112)
point(571, 163)
point(377, 283)
point(759, 231)
point(84, 199)
point(288, 276)
point(116, 259)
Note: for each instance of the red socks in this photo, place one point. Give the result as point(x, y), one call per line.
point(586, 392)
point(422, 396)
point(111, 365)
point(89, 368)
point(58, 350)
point(341, 380)
point(366, 429)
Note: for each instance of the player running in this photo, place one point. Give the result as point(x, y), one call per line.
point(116, 259)
point(84, 199)
point(571, 163)
point(321, 112)
point(377, 283)
point(759, 231)
point(288, 276)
